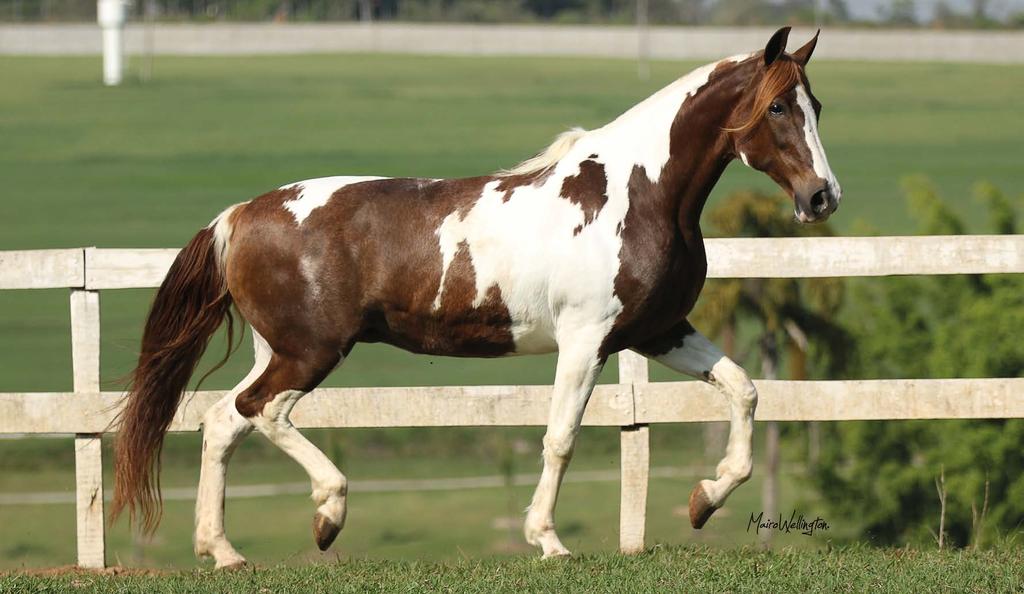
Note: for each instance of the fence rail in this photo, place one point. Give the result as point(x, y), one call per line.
point(666, 43)
point(611, 405)
point(632, 404)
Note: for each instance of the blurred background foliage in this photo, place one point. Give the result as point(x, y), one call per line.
point(932, 326)
point(884, 472)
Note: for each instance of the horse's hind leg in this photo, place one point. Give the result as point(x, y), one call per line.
point(268, 404)
point(223, 429)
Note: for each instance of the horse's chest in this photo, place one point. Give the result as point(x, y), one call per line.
point(658, 284)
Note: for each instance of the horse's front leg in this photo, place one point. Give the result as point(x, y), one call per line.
point(688, 351)
point(578, 366)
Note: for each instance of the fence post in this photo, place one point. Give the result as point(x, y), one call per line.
point(635, 449)
point(85, 361)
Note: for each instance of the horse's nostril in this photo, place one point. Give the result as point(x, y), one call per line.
point(819, 202)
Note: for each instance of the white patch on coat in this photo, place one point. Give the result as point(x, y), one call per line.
point(222, 234)
point(818, 159)
point(551, 278)
point(310, 269)
point(314, 193)
point(743, 157)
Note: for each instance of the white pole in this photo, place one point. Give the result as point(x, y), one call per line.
point(113, 52)
point(111, 15)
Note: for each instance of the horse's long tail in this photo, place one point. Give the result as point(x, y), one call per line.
point(190, 305)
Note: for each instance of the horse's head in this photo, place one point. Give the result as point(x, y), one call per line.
point(774, 129)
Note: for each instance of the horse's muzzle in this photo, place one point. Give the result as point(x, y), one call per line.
point(817, 204)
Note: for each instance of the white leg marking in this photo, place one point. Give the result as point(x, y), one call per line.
point(223, 429)
point(818, 159)
point(700, 358)
point(576, 373)
point(329, 485)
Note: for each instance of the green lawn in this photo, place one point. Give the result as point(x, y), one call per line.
point(670, 569)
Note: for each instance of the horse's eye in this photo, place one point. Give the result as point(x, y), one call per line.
point(775, 108)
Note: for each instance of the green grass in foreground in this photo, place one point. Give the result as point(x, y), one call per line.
point(668, 569)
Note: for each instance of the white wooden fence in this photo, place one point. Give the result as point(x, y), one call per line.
point(632, 404)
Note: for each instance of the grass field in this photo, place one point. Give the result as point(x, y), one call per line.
point(147, 164)
point(670, 569)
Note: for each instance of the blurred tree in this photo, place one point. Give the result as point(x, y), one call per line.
point(951, 326)
point(741, 12)
point(945, 17)
point(979, 9)
point(900, 12)
point(838, 11)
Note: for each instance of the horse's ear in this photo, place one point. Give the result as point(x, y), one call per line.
point(803, 55)
point(776, 45)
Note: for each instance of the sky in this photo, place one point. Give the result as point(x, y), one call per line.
point(869, 9)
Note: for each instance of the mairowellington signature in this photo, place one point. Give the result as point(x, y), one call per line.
point(795, 523)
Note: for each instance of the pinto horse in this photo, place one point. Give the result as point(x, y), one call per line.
point(591, 247)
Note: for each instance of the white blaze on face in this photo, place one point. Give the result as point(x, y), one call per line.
point(818, 160)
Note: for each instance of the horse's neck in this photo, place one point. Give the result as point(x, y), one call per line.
point(693, 186)
point(676, 136)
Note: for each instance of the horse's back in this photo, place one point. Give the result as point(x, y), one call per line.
point(361, 259)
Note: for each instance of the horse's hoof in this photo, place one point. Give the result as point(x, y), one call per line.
point(233, 565)
point(700, 507)
point(324, 531)
point(559, 554)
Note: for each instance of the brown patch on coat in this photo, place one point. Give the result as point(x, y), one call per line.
point(509, 183)
point(668, 341)
point(662, 260)
point(484, 329)
point(588, 189)
point(379, 271)
point(264, 275)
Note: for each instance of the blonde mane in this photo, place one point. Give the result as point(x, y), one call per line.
point(559, 148)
